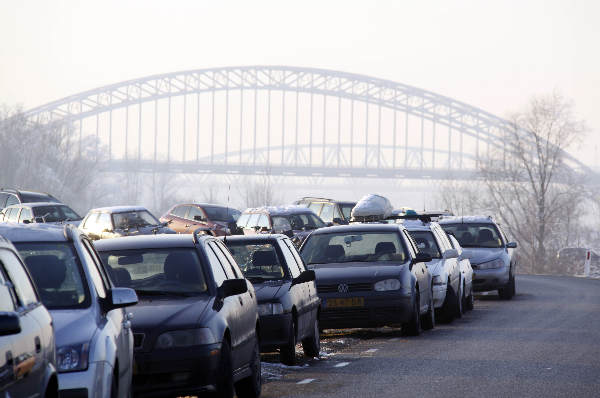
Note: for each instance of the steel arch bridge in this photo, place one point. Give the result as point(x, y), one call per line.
point(278, 120)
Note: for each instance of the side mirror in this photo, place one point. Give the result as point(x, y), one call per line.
point(26, 221)
point(338, 221)
point(119, 297)
point(232, 287)
point(305, 276)
point(264, 229)
point(39, 219)
point(511, 245)
point(450, 253)
point(422, 258)
point(330, 224)
point(9, 323)
point(199, 218)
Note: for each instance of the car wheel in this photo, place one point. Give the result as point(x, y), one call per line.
point(250, 387)
point(312, 344)
point(225, 374)
point(428, 320)
point(287, 352)
point(448, 310)
point(459, 302)
point(470, 301)
point(506, 293)
point(114, 387)
point(413, 327)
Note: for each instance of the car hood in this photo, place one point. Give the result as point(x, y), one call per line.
point(75, 223)
point(168, 312)
point(267, 291)
point(479, 255)
point(73, 326)
point(355, 272)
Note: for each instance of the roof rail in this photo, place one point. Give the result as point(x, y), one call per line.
point(316, 197)
point(426, 218)
point(11, 190)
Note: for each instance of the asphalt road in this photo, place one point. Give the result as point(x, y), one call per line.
point(543, 343)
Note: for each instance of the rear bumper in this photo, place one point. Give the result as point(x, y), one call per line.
point(490, 279)
point(176, 371)
point(379, 310)
point(274, 331)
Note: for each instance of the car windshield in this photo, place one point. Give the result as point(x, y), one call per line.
point(288, 222)
point(57, 273)
point(132, 219)
point(157, 271)
point(475, 234)
point(258, 261)
point(55, 213)
point(354, 246)
point(32, 197)
point(426, 243)
point(218, 213)
point(347, 209)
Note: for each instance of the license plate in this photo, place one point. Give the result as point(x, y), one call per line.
point(345, 302)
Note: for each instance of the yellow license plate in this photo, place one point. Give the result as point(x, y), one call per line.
point(345, 302)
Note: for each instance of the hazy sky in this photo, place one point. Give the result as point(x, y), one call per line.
point(491, 54)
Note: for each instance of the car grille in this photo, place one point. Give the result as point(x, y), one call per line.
point(352, 287)
point(138, 340)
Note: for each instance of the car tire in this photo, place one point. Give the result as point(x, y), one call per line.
point(469, 304)
point(114, 387)
point(251, 386)
point(413, 327)
point(459, 311)
point(225, 373)
point(287, 352)
point(312, 345)
point(428, 320)
point(506, 293)
point(448, 310)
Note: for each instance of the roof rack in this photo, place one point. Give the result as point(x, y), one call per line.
point(316, 197)
point(11, 190)
point(426, 218)
point(201, 229)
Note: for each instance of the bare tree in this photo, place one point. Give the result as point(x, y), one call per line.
point(530, 187)
point(259, 191)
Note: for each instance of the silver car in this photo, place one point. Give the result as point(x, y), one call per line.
point(94, 342)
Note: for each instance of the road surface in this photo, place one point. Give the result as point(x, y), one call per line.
point(543, 343)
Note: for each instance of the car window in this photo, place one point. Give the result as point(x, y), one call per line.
point(19, 278)
point(426, 243)
point(253, 221)
point(257, 260)
point(56, 213)
point(336, 212)
point(327, 212)
point(243, 220)
point(12, 200)
point(475, 234)
point(347, 209)
point(316, 207)
point(223, 260)
point(97, 261)
point(26, 214)
point(13, 214)
point(236, 270)
point(455, 244)
point(194, 211)
point(221, 213)
point(226, 259)
point(103, 222)
point(263, 221)
point(180, 211)
point(216, 266)
point(7, 298)
point(3, 197)
point(412, 246)
point(155, 271)
point(90, 220)
point(290, 260)
point(295, 253)
point(133, 219)
point(92, 268)
point(57, 272)
point(442, 240)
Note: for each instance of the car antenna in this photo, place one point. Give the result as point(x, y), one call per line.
point(227, 218)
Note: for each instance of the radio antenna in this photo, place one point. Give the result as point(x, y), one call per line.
point(227, 218)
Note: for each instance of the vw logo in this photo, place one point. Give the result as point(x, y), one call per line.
point(343, 288)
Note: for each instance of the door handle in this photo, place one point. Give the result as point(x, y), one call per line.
point(38, 344)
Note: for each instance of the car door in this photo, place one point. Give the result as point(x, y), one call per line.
point(420, 271)
point(178, 218)
point(451, 263)
point(27, 349)
point(7, 351)
point(195, 219)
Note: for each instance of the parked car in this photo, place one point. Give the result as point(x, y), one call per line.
point(370, 275)
point(196, 327)
point(489, 250)
point(9, 196)
point(41, 212)
point(186, 218)
point(444, 267)
point(467, 274)
point(572, 259)
point(296, 222)
point(116, 221)
point(330, 210)
point(27, 351)
point(94, 343)
point(288, 304)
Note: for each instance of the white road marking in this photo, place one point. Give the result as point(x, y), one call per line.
point(341, 364)
point(305, 381)
point(371, 350)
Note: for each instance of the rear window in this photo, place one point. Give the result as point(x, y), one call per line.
point(475, 234)
point(426, 243)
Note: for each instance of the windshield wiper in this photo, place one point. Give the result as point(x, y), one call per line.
point(164, 293)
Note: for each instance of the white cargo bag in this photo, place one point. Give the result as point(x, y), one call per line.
point(372, 206)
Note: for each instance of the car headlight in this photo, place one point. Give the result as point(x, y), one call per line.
point(270, 309)
point(185, 338)
point(497, 263)
point(437, 280)
point(72, 358)
point(387, 284)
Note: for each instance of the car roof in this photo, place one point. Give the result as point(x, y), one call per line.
point(37, 232)
point(36, 204)
point(466, 219)
point(149, 241)
point(117, 209)
point(356, 227)
point(280, 210)
point(254, 238)
point(418, 225)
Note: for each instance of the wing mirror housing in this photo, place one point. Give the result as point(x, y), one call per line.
point(306, 276)
point(9, 323)
point(338, 221)
point(199, 218)
point(511, 245)
point(422, 258)
point(450, 253)
point(232, 287)
point(120, 297)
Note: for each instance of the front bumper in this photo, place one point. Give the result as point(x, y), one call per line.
point(91, 383)
point(490, 279)
point(274, 331)
point(378, 310)
point(180, 371)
